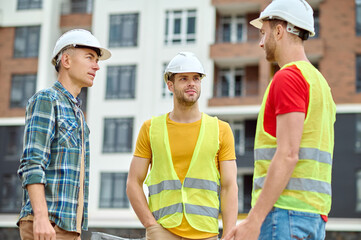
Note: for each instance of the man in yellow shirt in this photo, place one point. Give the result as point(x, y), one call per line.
point(192, 164)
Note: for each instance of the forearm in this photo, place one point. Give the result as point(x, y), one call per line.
point(140, 205)
point(229, 207)
point(37, 199)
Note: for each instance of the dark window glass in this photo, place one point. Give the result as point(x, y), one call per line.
point(11, 193)
point(358, 73)
point(113, 190)
point(27, 42)
point(358, 133)
point(121, 82)
point(118, 135)
point(123, 30)
point(358, 17)
point(29, 4)
point(22, 88)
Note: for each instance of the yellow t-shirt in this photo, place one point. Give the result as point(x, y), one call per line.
point(182, 139)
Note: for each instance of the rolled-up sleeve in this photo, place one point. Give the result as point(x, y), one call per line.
point(38, 135)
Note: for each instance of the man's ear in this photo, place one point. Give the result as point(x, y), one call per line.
point(170, 86)
point(279, 31)
point(66, 60)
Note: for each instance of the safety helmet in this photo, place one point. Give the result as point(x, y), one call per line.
point(78, 37)
point(295, 12)
point(184, 62)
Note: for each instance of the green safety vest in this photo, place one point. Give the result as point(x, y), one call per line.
point(197, 197)
point(309, 189)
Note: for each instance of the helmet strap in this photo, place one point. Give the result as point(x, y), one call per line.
point(303, 34)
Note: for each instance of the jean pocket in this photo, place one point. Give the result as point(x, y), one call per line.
point(304, 225)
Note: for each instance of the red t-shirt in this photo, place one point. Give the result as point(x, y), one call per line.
point(289, 92)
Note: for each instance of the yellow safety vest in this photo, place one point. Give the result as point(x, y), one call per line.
point(197, 197)
point(309, 189)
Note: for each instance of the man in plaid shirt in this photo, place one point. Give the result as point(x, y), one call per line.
point(54, 167)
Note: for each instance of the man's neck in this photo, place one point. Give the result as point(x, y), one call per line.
point(185, 114)
point(68, 85)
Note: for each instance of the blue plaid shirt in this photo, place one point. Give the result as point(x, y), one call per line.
point(52, 154)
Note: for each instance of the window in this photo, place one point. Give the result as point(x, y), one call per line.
point(239, 136)
point(358, 191)
point(11, 193)
point(166, 94)
point(29, 4)
point(358, 133)
point(22, 88)
point(123, 30)
point(232, 29)
point(358, 17)
point(118, 135)
point(120, 82)
point(11, 142)
point(27, 42)
point(230, 83)
point(244, 182)
point(180, 27)
point(358, 73)
point(113, 190)
point(317, 24)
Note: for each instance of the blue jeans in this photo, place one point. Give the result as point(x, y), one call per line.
point(281, 224)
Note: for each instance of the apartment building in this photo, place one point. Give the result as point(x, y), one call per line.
point(143, 36)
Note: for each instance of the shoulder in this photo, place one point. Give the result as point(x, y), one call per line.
point(288, 73)
point(222, 124)
point(48, 94)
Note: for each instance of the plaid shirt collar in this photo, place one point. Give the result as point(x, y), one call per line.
point(58, 86)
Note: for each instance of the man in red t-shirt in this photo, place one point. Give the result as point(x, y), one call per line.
point(294, 140)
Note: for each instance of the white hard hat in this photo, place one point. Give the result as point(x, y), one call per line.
point(296, 12)
point(184, 62)
point(78, 37)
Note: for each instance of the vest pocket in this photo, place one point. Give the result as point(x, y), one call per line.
point(68, 133)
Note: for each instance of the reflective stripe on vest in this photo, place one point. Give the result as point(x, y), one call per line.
point(304, 153)
point(189, 208)
point(300, 184)
point(188, 182)
point(164, 185)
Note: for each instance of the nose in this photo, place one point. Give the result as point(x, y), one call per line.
point(261, 43)
point(96, 66)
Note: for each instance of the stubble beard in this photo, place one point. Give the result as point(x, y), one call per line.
point(183, 100)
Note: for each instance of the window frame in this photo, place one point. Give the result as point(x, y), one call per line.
point(29, 4)
point(113, 126)
point(241, 175)
point(231, 74)
point(184, 36)
point(116, 81)
point(233, 21)
point(23, 42)
point(358, 190)
point(358, 74)
point(358, 17)
point(23, 80)
point(111, 200)
point(358, 133)
point(117, 28)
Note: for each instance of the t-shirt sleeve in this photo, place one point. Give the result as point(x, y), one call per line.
point(289, 91)
point(143, 148)
point(226, 142)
